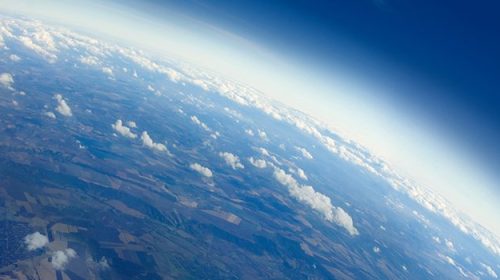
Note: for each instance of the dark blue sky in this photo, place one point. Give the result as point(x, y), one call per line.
point(452, 46)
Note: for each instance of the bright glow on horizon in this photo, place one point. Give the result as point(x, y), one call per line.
point(341, 99)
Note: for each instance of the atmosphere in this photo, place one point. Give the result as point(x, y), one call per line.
point(397, 99)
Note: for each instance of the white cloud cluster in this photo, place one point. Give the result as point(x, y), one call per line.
point(90, 60)
point(249, 132)
point(305, 153)
point(197, 121)
point(46, 41)
point(231, 160)
point(107, 70)
point(259, 163)
point(316, 201)
point(148, 142)
point(14, 57)
point(35, 241)
point(123, 130)
point(489, 270)
point(61, 258)
point(201, 169)
point(262, 135)
point(50, 115)
point(301, 174)
point(62, 106)
point(6, 80)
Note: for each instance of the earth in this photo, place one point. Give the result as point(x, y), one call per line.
point(119, 164)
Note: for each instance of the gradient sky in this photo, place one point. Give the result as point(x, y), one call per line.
point(415, 81)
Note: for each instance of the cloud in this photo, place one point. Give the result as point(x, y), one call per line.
point(231, 160)
point(62, 107)
point(263, 151)
point(200, 123)
point(201, 169)
point(90, 60)
point(35, 241)
point(316, 200)
point(14, 58)
point(61, 257)
point(305, 152)
point(148, 142)
point(123, 130)
point(6, 80)
point(449, 244)
point(249, 132)
point(262, 135)
point(132, 124)
point(50, 115)
point(376, 250)
point(489, 270)
point(301, 173)
point(259, 163)
point(107, 70)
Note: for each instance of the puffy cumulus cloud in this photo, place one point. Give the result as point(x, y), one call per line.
point(249, 132)
point(90, 60)
point(50, 115)
point(107, 70)
point(35, 241)
point(264, 152)
point(132, 124)
point(489, 270)
point(316, 200)
point(259, 163)
point(14, 58)
point(197, 121)
point(449, 244)
point(62, 106)
point(201, 169)
point(61, 258)
point(305, 153)
point(123, 130)
point(231, 160)
point(148, 142)
point(376, 249)
point(301, 174)
point(6, 80)
point(262, 134)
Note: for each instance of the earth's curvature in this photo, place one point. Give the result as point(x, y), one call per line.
point(119, 165)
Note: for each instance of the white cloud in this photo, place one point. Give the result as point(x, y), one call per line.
point(301, 173)
point(231, 160)
point(436, 239)
point(35, 241)
point(201, 169)
point(6, 80)
point(249, 132)
point(123, 130)
point(259, 163)
point(50, 115)
point(107, 70)
point(61, 257)
point(262, 134)
point(148, 142)
point(316, 201)
point(132, 124)
point(376, 249)
point(305, 152)
point(263, 151)
point(489, 270)
point(197, 121)
point(62, 107)
point(90, 60)
point(449, 244)
point(14, 58)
